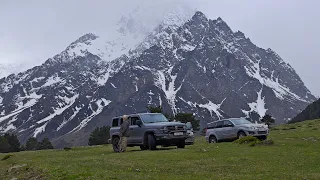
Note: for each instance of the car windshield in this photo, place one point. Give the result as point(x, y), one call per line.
point(240, 121)
point(153, 118)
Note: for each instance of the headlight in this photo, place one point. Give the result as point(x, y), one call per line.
point(252, 127)
point(184, 127)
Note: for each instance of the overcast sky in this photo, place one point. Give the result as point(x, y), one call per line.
point(34, 30)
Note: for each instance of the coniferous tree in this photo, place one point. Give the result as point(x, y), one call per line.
point(13, 142)
point(268, 120)
point(99, 136)
point(4, 145)
point(153, 109)
point(188, 117)
point(31, 144)
point(45, 144)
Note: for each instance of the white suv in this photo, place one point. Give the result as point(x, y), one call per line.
point(234, 128)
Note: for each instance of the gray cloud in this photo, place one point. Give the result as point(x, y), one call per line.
point(32, 31)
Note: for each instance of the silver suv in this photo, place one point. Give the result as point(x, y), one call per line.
point(229, 129)
point(148, 130)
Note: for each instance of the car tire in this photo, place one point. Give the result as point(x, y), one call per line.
point(143, 147)
point(152, 142)
point(115, 144)
point(181, 144)
point(262, 138)
point(241, 134)
point(213, 139)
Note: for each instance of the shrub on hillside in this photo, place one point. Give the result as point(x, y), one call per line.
point(6, 157)
point(267, 142)
point(67, 148)
point(247, 140)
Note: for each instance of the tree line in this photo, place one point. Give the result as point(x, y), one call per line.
point(181, 117)
point(11, 143)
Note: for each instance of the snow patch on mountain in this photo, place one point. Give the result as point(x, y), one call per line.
point(258, 106)
point(76, 111)
point(52, 80)
point(40, 130)
point(171, 91)
point(68, 101)
point(10, 127)
point(210, 106)
point(280, 91)
point(102, 103)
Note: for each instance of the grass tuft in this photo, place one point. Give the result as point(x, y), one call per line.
point(6, 157)
point(247, 140)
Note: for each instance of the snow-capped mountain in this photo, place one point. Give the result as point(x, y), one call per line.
point(185, 65)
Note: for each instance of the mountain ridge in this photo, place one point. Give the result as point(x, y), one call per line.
point(201, 66)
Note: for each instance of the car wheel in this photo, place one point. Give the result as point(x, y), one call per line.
point(241, 135)
point(213, 139)
point(262, 138)
point(181, 144)
point(115, 144)
point(143, 147)
point(152, 142)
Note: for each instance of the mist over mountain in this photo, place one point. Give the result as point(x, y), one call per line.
point(187, 63)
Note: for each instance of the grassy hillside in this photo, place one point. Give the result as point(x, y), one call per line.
point(295, 155)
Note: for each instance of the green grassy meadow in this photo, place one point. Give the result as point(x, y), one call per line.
point(295, 155)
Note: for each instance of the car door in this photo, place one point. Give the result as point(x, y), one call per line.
point(136, 133)
point(228, 129)
point(219, 130)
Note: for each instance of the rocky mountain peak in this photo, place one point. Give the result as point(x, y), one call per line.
point(198, 67)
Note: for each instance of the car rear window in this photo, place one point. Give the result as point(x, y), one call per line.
point(212, 125)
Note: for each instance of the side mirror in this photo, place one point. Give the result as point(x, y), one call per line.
point(139, 123)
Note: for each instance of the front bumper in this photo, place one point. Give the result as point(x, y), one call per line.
point(170, 139)
point(170, 136)
point(262, 132)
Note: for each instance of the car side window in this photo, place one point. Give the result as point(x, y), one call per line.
point(219, 124)
point(121, 121)
point(134, 120)
point(212, 125)
point(227, 124)
point(115, 122)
